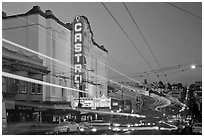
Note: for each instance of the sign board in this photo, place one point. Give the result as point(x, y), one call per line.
point(102, 102)
point(78, 50)
point(85, 102)
point(92, 103)
point(115, 103)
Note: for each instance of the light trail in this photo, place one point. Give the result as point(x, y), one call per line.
point(64, 63)
point(58, 86)
point(173, 126)
point(88, 57)
point(58, 61)
point(43, 106)
point(10, 75)
point(167, 103)
point(145, 128)
point(49, 84)
point(159, 100)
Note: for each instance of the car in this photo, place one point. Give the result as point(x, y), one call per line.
point(94, 127)
point(120, 127)
point(197, 128)
point(65, 127)
point(98, 122)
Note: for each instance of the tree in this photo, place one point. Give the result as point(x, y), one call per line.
point(169, 86)
point(179, 85)
point(161, 85)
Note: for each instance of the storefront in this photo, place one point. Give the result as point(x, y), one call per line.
point(127, 106)
point(93, 104)
point(60, 112)
point(19, 111)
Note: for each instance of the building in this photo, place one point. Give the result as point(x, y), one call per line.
point(123, 94)
point(176, 94)
point(44, 33)
point(20, 98)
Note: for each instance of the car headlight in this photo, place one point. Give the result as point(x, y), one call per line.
point(157, 128)
point(116, 129)
point(81, 129)
point(116, 125)
point(94, 129)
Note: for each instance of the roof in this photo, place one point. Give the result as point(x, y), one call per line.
point(92, 39)
point(36, 10)
point(48, 14)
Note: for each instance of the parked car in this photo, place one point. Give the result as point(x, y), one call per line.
point(65, 127)
point(197, 128)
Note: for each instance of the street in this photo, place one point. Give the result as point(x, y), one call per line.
point(139, 131)
point(135, 132)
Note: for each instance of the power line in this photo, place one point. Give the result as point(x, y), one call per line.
point(128, 37)
point(167, 73)
point(87, 56)
point(184, 10)
point(148, 73)
point(144, 39)
point(164, 69)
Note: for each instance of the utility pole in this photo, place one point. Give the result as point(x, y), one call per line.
point(122, 94)
point(79, 98)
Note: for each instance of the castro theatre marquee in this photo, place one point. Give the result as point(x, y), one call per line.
point(92, 103)
point(87, 72)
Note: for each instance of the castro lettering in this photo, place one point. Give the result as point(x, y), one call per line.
point(78, 51)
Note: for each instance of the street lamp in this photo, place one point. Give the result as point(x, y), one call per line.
point(193, 66)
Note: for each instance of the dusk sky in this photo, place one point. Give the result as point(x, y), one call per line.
point(173, 33)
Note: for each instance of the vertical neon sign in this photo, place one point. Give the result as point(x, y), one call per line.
point(78, 51)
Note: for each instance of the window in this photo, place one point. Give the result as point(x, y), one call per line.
point(33, 88)
point(39, 89)
point(21, 86)
point(4, 84)
point(63, 92)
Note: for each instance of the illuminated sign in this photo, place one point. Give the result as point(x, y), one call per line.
point(115, 103)
point(102, 102)
point(92, 103)
point(78, 50)
point(85, 102)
